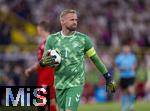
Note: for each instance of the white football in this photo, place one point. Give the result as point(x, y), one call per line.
point(56, 56)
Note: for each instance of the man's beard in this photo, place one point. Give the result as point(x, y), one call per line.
point(71, 28)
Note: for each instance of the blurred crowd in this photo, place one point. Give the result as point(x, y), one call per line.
point(110, 24)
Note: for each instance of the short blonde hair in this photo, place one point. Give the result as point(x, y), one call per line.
point(66, 11)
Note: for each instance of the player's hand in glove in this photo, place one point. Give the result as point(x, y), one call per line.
point(110, 84)
point(47, 61)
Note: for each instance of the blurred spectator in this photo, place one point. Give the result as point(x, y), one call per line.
point(141, 78)
point(5, 33)
point(100, 92)
point(88, 93)
point(147, 59)
point(16, 75)
point(22, 10)
point(6, 79)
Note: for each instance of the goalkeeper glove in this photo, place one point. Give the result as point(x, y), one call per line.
point(110, 84)
point(47, 61)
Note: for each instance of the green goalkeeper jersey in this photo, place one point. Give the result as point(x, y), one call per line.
point(73, 48)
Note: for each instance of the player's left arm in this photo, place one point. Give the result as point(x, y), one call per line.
point(32, 68)
point(110, 83)
point(91, 53)
point(134, 62)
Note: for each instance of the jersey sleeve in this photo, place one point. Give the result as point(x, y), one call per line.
point(89, 49)
point(134, 59)
point(47, 45)
point(91, 53)
point(117, 60)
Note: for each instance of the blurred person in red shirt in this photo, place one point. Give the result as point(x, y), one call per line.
point(45, 74)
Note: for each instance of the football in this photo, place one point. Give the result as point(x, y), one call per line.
point(55, 56)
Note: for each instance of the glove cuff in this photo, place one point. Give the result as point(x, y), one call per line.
point(107, 77)
point(41, 63)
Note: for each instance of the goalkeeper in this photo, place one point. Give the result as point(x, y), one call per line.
point(70, 74)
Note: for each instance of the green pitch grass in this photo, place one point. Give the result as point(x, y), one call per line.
point(139, 106)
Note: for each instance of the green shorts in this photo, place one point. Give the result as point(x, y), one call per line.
point(68, 98)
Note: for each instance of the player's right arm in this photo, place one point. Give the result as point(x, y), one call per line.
point(46, 60)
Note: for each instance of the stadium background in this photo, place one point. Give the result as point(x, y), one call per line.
point(110, 24)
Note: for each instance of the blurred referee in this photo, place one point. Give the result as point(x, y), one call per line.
point(126, 63)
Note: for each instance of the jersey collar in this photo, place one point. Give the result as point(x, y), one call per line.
point(68, 35)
